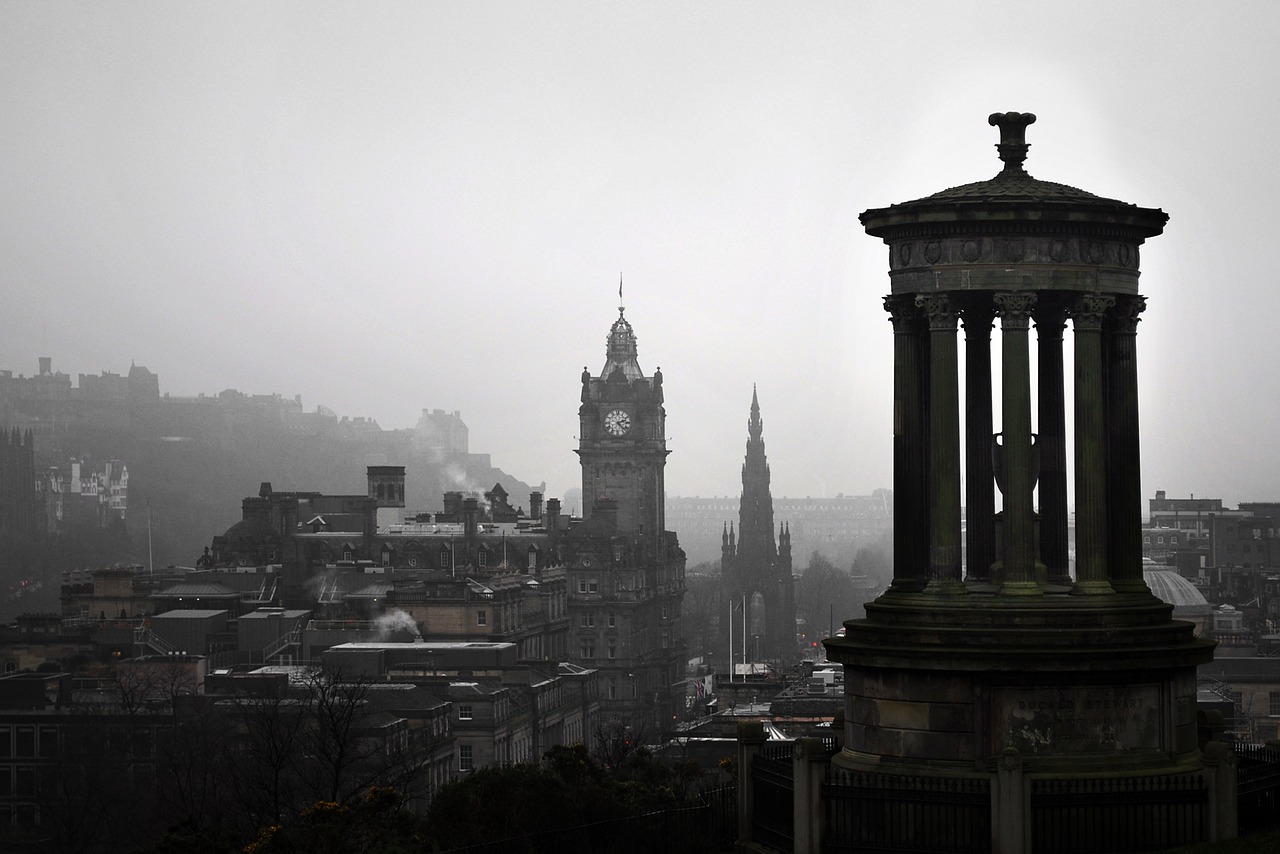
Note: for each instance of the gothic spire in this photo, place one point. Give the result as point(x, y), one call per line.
point(755, 514)
point(755, 426)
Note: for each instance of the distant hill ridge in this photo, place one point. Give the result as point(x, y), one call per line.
point(192, 460)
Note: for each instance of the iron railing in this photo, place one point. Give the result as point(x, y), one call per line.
point(870, 812)
point(1118, 814)
point(1257, 788)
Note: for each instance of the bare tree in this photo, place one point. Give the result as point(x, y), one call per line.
point(616, 740)
point(351, 745)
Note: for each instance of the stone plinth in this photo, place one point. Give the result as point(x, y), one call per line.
point(948, 685)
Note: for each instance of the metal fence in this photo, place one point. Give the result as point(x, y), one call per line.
point(1118, 814)
point(1258, 788)
point(773, 804)
point(868, 812)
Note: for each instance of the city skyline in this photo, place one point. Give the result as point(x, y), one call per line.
point(393, 207)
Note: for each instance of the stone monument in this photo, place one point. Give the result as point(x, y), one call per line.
point(1059, 705)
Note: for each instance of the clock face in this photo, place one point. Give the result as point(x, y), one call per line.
point(617, 422)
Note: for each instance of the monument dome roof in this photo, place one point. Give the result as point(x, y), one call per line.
point(1015, 193)
point(1171, 588)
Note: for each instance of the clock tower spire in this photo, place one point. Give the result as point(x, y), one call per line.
point(622, 443)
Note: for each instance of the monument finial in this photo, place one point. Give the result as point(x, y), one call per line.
point(1013, 138)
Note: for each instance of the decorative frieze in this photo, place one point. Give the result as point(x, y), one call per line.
point(1063, 249)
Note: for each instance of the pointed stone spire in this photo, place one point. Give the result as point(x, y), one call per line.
point(755, 426)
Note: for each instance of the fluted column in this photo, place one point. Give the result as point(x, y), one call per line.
point(979, 484)
point(1052, 443)
point(910, 502)
point(1018, 552)
point(944, 446)
point(1091, 445)
point(1124, 480)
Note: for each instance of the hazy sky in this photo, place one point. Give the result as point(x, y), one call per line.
point(391, 206)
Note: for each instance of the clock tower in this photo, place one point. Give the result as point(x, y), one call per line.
point(622, 443)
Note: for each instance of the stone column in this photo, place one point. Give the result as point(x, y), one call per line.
point(910, 501)
point(944, 446)
point(1091, 469)
point(1009, 805)
point(1220, 776)
point(1018, 555)
point(809, 762)
point(1050, 320)
point(979, 489)
point(1124, 480)
point(751, 739)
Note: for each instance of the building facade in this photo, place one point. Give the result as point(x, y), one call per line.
point(626, 571)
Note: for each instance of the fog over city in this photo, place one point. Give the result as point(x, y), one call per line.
point(383, 207)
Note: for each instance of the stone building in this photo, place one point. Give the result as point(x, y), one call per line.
point(21, 503)
point(602, 592)
point(626, 570)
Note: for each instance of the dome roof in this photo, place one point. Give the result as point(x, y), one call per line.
point(1013, 195)
point(250, 529)
point(1011, 185)
point(1171, 588)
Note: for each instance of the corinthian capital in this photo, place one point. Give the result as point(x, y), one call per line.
point(1089, 310)
point(1014, 309)
point(937, 307)
point(903, 313)
point(1125, 317)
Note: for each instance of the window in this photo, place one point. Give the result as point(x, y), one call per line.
point(613, 689)
point(582, 585)
point(25, 782)
point(587, 648)
point(6, 742)
point(613, 649)
point(1273, 703)
point(592, 586)
point(465, 760)
point(26, 742)
point(1160, 539)
point(613, 621)
point(465, 713)
point(482, 557)
point(482, 618)
point(444, 558)
point(588, 621)
point(48, 742)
